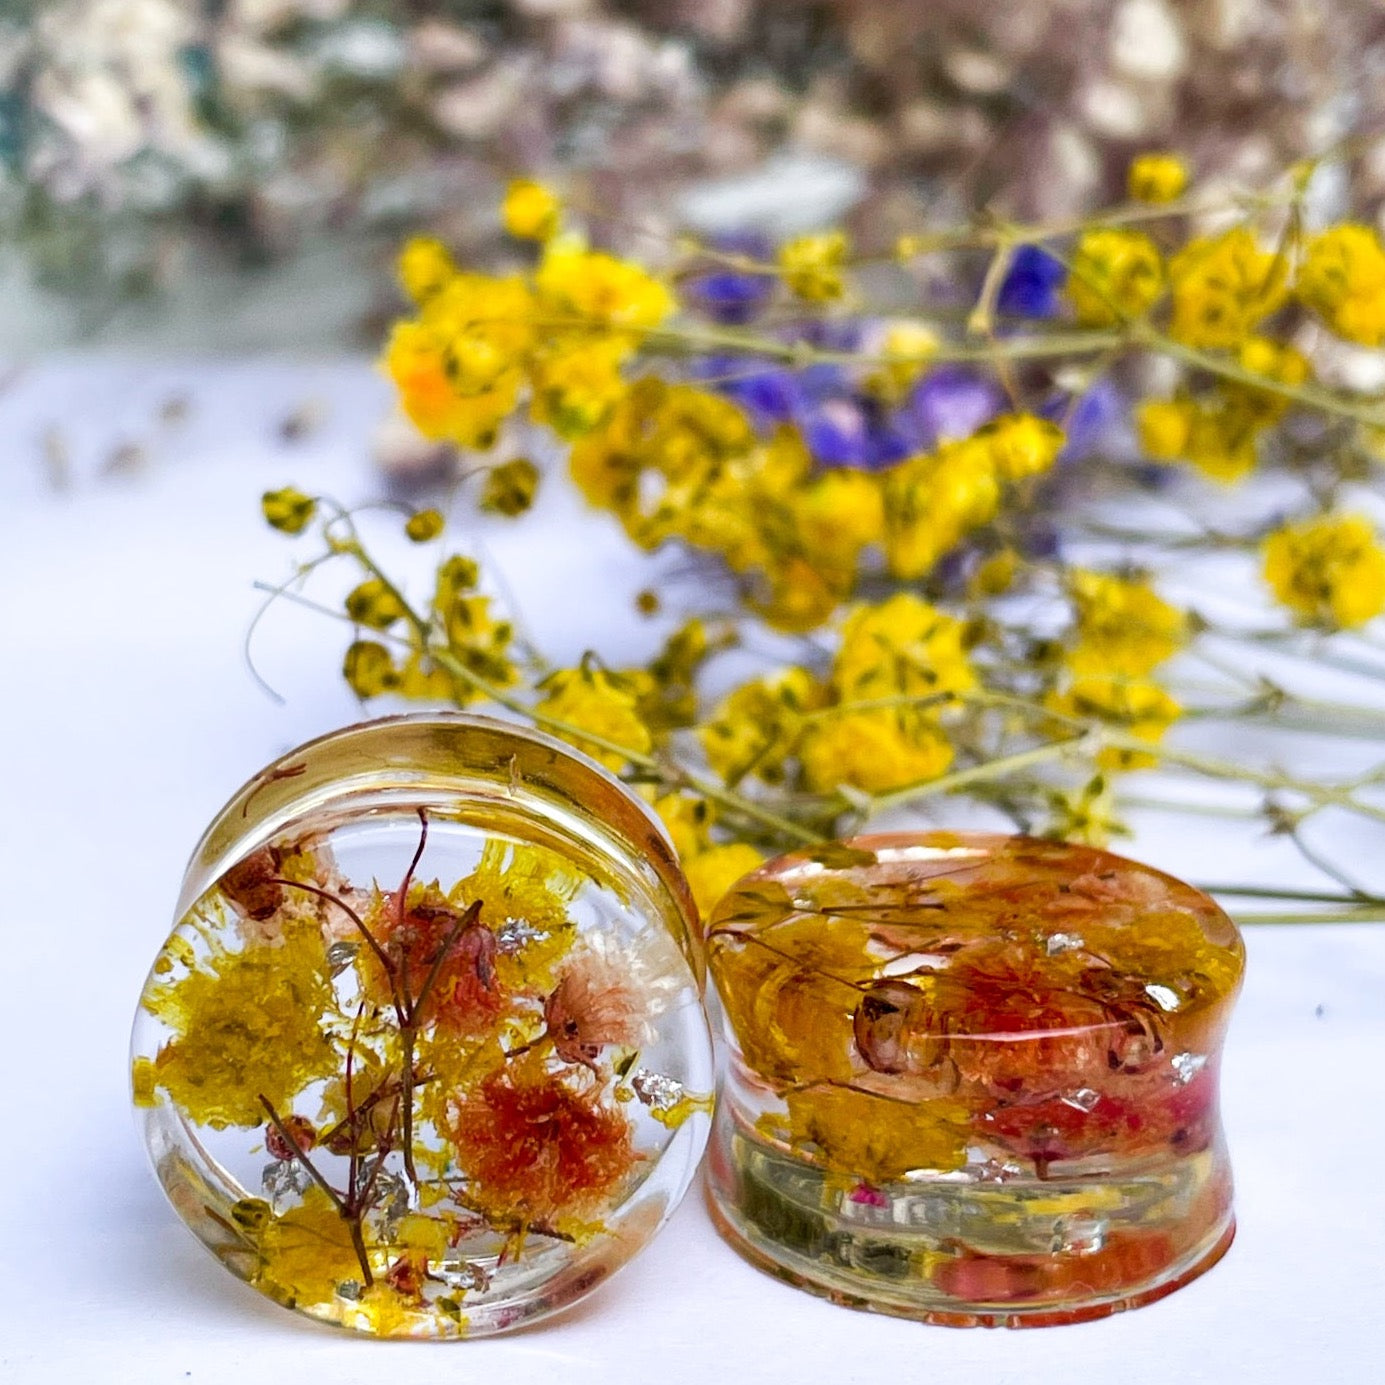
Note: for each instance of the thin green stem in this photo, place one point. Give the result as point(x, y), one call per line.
point(982, 773)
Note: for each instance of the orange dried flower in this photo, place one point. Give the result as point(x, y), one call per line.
point(539, 1149)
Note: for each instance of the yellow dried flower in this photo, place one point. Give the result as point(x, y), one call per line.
point(369, 669)
point(1272, 361)
point(1116, 275)
point(712, 871)
point(530, 210)
point(812, 266)
point(460, 366)
point(874, 751)
point(1157, 178)
point(901, 647)
point(1342, 279)
point(932, 502)
point(877, 1138)
point(288, 510)
point(425, 267)
point(1021, 445)
point(1329, 571)
point(755, 727)
point(246, 1024)
point(307, 1252)
point(375, 604)
point(1088, 814)
point(1164, 426)
point(606, 704)
point(1223, 287)
point(1123, 627)
point(907, 348)
point(424, 525)
point(575, 386)
point(1134, 706)
point(510, 488)
point(598, 289)
point(996, 575)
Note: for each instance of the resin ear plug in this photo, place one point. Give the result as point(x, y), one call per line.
point(425, 1053)
point(973, 1078)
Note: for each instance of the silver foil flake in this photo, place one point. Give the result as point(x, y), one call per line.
point(1186, 1066)
point(392, 1198)
point(470, 1274)
point(284, 1180)
point(1163, 996)
point(1063, 942)
point(656, 1090)
point(1083, 1099)
point(986, 1168)
point(340, 956)
point(515, 934)
point(350, 1288)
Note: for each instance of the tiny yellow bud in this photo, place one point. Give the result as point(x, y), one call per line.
point(812, 266)
point(1157, 178)
point(368, 669)
point(374, 604)
point(288, 510)
point(510, 488)
point(457, 575)
point(424, 525)
point(1164, 426)
point(425, 266)
point(530, 210)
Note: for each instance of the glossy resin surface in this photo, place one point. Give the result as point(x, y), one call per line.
point(424, 1054)
point(973, 1078)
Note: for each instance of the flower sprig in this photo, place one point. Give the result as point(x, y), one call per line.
point(916, 498)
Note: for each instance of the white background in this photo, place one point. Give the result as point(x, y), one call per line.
point(129, 717)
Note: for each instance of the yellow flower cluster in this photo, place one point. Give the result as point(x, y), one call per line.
point(711, 867)
point(1219, 430)
point(474, 637)
point(1117, 276)
point(604, 704)
point(1342, 279)
point(1124, 627)
point(479, 344)
point(1223, 287)
point(1123, 631)
point(812, 266)
point(873, 724)
point(1328, 571)
point(244, 1025)
point(675, 462)
point(932, 502)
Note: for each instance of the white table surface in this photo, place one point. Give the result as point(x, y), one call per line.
point(129, 717)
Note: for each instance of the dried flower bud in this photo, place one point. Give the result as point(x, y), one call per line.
point(424, 525)
point(297, 1128)
point(510, 489)
point(375, 604)
point(288, 510)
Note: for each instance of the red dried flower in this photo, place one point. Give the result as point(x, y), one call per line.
point(298, 1128)
point(538, 1149)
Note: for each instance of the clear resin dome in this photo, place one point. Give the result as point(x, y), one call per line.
point(425, 1053)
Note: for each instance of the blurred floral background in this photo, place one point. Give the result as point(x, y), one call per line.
point(167, 164)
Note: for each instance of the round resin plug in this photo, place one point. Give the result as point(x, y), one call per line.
point(425, 1054)
point(973, 1079)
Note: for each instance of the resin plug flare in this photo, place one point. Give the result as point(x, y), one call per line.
point(973, 1079)
point(425, 1053)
